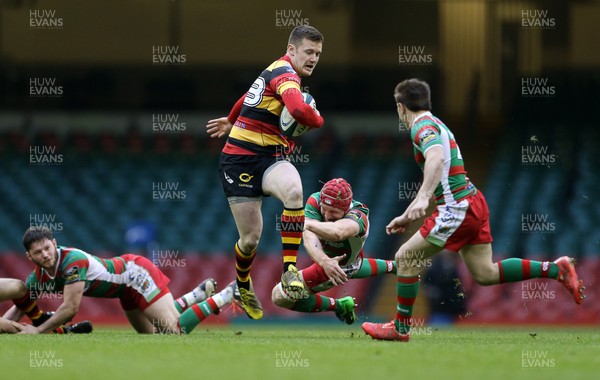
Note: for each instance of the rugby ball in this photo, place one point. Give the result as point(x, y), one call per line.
point(290, 127)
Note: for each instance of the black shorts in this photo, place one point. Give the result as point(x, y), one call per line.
point(242, 175)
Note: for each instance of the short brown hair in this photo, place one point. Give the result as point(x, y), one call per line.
point(414, 94)
point(36, 233)
point(305, 31)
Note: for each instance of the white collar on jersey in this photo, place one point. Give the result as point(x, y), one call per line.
point(428, 113)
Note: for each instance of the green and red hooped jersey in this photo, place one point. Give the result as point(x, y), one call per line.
point(429, 131)
point(104, 278)
point(350, 247)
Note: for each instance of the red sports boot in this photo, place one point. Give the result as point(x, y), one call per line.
point(569, 278)
point(384, 331)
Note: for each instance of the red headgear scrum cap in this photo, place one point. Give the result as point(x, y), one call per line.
point(337, 193)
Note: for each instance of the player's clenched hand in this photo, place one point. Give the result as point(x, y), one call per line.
point(417, 209)
point(334, 272)
point(218, 127)
point(397, 225)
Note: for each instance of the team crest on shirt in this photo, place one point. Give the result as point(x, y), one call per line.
point(145, 286)
point(427, 136)
point(443, 230)
point(72, 275)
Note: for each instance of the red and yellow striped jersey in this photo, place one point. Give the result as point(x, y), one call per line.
point(256, 130)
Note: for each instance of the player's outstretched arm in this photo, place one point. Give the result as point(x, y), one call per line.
point(72, 294)
point(398, 225)
point(432, 175)
point(333, 231)
point(331, 265)
point(218, 128)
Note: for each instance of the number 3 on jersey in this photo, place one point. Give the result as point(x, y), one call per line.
point(255, 93)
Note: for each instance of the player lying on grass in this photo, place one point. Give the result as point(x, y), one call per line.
point(336, 227)
point(140, 286)
point(15, 290)
point(460, 222)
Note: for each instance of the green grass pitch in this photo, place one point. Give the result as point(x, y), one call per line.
point(252, 351)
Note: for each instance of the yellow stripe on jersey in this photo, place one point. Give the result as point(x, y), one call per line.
point(257, 138)
point(271, 104)
point(286, 86)
point(277, 64)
